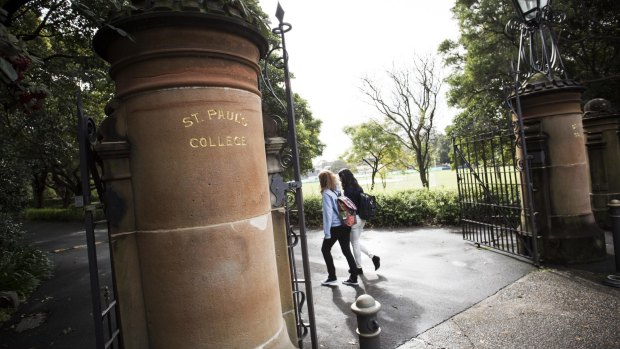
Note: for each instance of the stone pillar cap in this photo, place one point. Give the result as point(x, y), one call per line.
point(597, 106)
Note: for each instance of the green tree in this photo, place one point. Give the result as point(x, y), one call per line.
point(441, 145)
point(590, 46)
point(54, 60)
point(338, 165)
point(589, 43)
point(373, 146)
point(409, 107)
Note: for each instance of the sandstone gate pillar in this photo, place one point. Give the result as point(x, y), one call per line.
point(602, 129)
point(185, 170)
point(273, 147)
point(552, 114)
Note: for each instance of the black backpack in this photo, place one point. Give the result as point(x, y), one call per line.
point(368, 207)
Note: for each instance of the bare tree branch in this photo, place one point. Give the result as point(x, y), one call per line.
point(411, 108)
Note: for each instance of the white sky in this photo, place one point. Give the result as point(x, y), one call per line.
point(333, 44)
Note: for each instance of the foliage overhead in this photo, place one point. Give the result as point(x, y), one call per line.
point(48, 46)
point(273, 88)
point(483, 57)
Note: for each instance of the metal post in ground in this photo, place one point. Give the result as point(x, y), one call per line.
point(368, 330)
point(614, 215)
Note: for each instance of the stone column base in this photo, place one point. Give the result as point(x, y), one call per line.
point(574, 240)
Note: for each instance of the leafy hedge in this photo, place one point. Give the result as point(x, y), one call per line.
point(400, 209)
point(58, 214)
point(22, 267)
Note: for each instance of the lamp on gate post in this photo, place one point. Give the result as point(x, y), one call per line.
point(530, 10)
point(547, 103)
point(538, 47)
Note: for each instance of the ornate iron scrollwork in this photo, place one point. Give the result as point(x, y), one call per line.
point(286, 157)
point(538, 48)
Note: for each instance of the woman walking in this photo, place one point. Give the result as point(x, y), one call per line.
point(353, 190)
point(334, 230)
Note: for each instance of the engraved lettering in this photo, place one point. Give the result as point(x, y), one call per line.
point(221, 141)
point(188, 122)
point(215, 114)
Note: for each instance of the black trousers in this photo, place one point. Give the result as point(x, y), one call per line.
point(342, 234)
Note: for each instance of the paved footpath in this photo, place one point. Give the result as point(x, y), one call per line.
point(545, 309)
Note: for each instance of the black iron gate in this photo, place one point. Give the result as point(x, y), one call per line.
point(105, 307)
point(294, 208)
point(495, 189)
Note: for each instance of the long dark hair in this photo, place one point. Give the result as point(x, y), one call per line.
point(348, 179)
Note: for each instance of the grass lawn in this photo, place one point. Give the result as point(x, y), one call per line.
point(395, 181)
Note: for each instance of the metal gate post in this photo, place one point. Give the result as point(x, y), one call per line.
point(108, 336)
point(527, 187)
point(614, 215)
point(89, 223)
point(296, 187)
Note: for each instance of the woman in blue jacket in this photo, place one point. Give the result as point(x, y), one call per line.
point(334, 230)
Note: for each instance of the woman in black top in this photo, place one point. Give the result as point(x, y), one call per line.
point(352, 190)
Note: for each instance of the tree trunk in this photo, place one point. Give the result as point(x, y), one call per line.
point(424, 177)
point(422, 167)
point(38, 189)
point(372, 180)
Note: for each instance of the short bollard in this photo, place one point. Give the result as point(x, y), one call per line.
point(614, 214)
point(368, 330)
